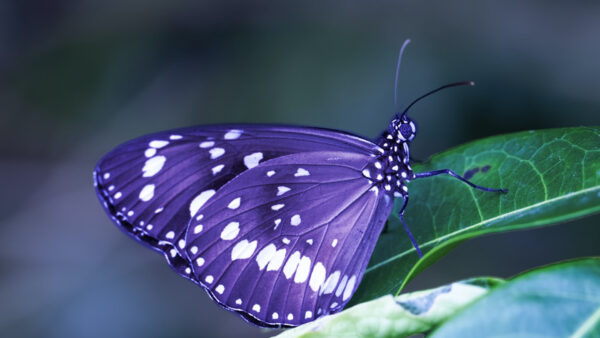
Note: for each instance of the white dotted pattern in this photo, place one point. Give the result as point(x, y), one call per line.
point(251, 161)
point(147, 193)
point(230, 231)
point(153, 165)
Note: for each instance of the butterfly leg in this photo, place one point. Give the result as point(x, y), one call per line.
point(412, 239)
point(455, 175)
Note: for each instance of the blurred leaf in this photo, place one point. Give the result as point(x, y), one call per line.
point(561, 300)
point(397, 317)
point(551, 176)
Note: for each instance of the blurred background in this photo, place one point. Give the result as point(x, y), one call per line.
point(79, 77)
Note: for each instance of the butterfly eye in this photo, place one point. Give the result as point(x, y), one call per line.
point(406, 130)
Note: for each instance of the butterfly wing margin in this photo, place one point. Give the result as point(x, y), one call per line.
point(152, 186)
point(308, 229)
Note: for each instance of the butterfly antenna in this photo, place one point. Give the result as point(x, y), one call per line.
point(455, 84)
point(406, 42)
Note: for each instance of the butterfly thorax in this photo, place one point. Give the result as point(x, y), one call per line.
point(392, 169)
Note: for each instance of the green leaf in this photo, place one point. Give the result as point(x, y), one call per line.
point(561, 300)
point(397, 317)
point(551, 176)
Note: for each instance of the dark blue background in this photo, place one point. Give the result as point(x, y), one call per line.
point(79, 77)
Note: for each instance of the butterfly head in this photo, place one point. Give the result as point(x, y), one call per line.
point(404, 129)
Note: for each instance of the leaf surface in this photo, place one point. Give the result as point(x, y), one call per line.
point(561, 300)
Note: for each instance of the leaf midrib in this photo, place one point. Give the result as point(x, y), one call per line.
point(479, 224)
point(587, 325)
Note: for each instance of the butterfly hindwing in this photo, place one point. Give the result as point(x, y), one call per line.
point(288, 240)
point(151, 186)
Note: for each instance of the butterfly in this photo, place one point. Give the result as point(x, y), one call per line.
point(277, 223)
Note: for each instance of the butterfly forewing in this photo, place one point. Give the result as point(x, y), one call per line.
point(288, 240)
point(153, 186)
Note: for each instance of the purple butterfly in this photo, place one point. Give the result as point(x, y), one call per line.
point(276, 223)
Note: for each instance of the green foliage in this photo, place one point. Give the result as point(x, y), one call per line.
point(551, 176)
point(397, 317)
point(562, 300)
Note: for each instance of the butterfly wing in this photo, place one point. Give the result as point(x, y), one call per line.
point(289, 240)
point(153, 186)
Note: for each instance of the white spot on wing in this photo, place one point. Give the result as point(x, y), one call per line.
point(153, 165)
point(194, 250)
point(334, 242)
point(158, 144)
point(277, 221)
point(150, 152)
point(277, 206)
point(308, 315)
point(341, 287)
point(282, 190)
point(238, 301)
point(170, 235)
point(235, 203)
point(243, 250)
point(230, 231)
point(252, 160)
point(181, 243)
point(276, 260)
point(106, 176)
point(285, 240)
point(317, 277)
point(207, 144)
point(220, 289)
point(256, 307)
point(349, 288)
point(199, 201)
point(270, 173)
point(290, 316)
point(295, 220)
point(275, 315)
point(199, 261)
point(198, 228)
point(265, 255)
point(175, 137)
point(331, 283)
point(217, 169)
point(309, 241)
point(147, 192)
point(291, 264)
point(232, 134)
point(216, 153)
point(301, 172)
point(303, 270)
point(209, 279)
